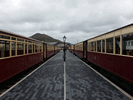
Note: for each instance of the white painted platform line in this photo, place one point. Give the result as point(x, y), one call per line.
point(109, 81)
point(64, 80)
point(24, 78)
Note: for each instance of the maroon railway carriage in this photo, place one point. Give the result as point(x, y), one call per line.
point(71, 48)
point(113, 52)
point(18, 53)
point(50, 50)
point(79, 49)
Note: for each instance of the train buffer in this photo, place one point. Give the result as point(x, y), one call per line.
point(79, 82)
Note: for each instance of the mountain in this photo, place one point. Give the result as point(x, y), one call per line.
point(44, 37)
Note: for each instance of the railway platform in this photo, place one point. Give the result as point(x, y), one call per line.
point(47, 83)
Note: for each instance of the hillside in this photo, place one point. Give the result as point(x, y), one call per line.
point(44, 37)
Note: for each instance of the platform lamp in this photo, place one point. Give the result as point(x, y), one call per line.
point(64, 39)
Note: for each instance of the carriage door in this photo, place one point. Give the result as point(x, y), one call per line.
point(85, 50)
point(44, 51)
point(54, 49)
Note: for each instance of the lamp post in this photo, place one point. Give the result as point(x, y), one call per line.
point(64, 39)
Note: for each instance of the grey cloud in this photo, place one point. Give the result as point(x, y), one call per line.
point(75, 19)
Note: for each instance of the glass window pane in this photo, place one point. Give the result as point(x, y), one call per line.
point(4, 37)
point(13, 38)
point(13, 48)
point(19, 39)
point(40, 48)
point(103, 45)
point(30, 48)
point(92, 46)
point(109, 45)
point(99, 46)
point(25, 48)
point(131, 43)
point(20, 48)
point(35, 48)
point(4, 48)
point(117, 45)
point(127, 44)
point(89, 46)
point(45, 49)
point(30, 41)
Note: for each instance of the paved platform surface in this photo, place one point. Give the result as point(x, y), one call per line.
point(47, 83)
point(84, 84)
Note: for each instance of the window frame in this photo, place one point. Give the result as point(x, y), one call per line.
point(15, 39)
point(100, 45)
point(112, 46)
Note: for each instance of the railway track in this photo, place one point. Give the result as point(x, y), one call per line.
point(109, 76)
point(12, 81)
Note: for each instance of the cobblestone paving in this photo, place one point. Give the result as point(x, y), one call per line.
point(47, 83)
point(84, 84)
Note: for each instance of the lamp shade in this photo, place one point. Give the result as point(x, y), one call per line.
point(64, 38)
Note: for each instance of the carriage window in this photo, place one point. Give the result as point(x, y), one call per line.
point(45, 46)
point(131, 43)
point(13, 38)
point(99, 46)
point(4, 37)
point(127, 44)
point(19, 39)
point(4, 49)
point(117, 45)
point(109, 45)
point(30, 41)
point(78, 48)
point(40, 48)
point(30, 48)
point(89, 46)
point(20, 48)
point(13, 48)
point(103, 44)
point(35, 48)
point(92, 48)
point(25, 48)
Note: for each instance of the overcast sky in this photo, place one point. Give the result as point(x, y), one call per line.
point(78, 20)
